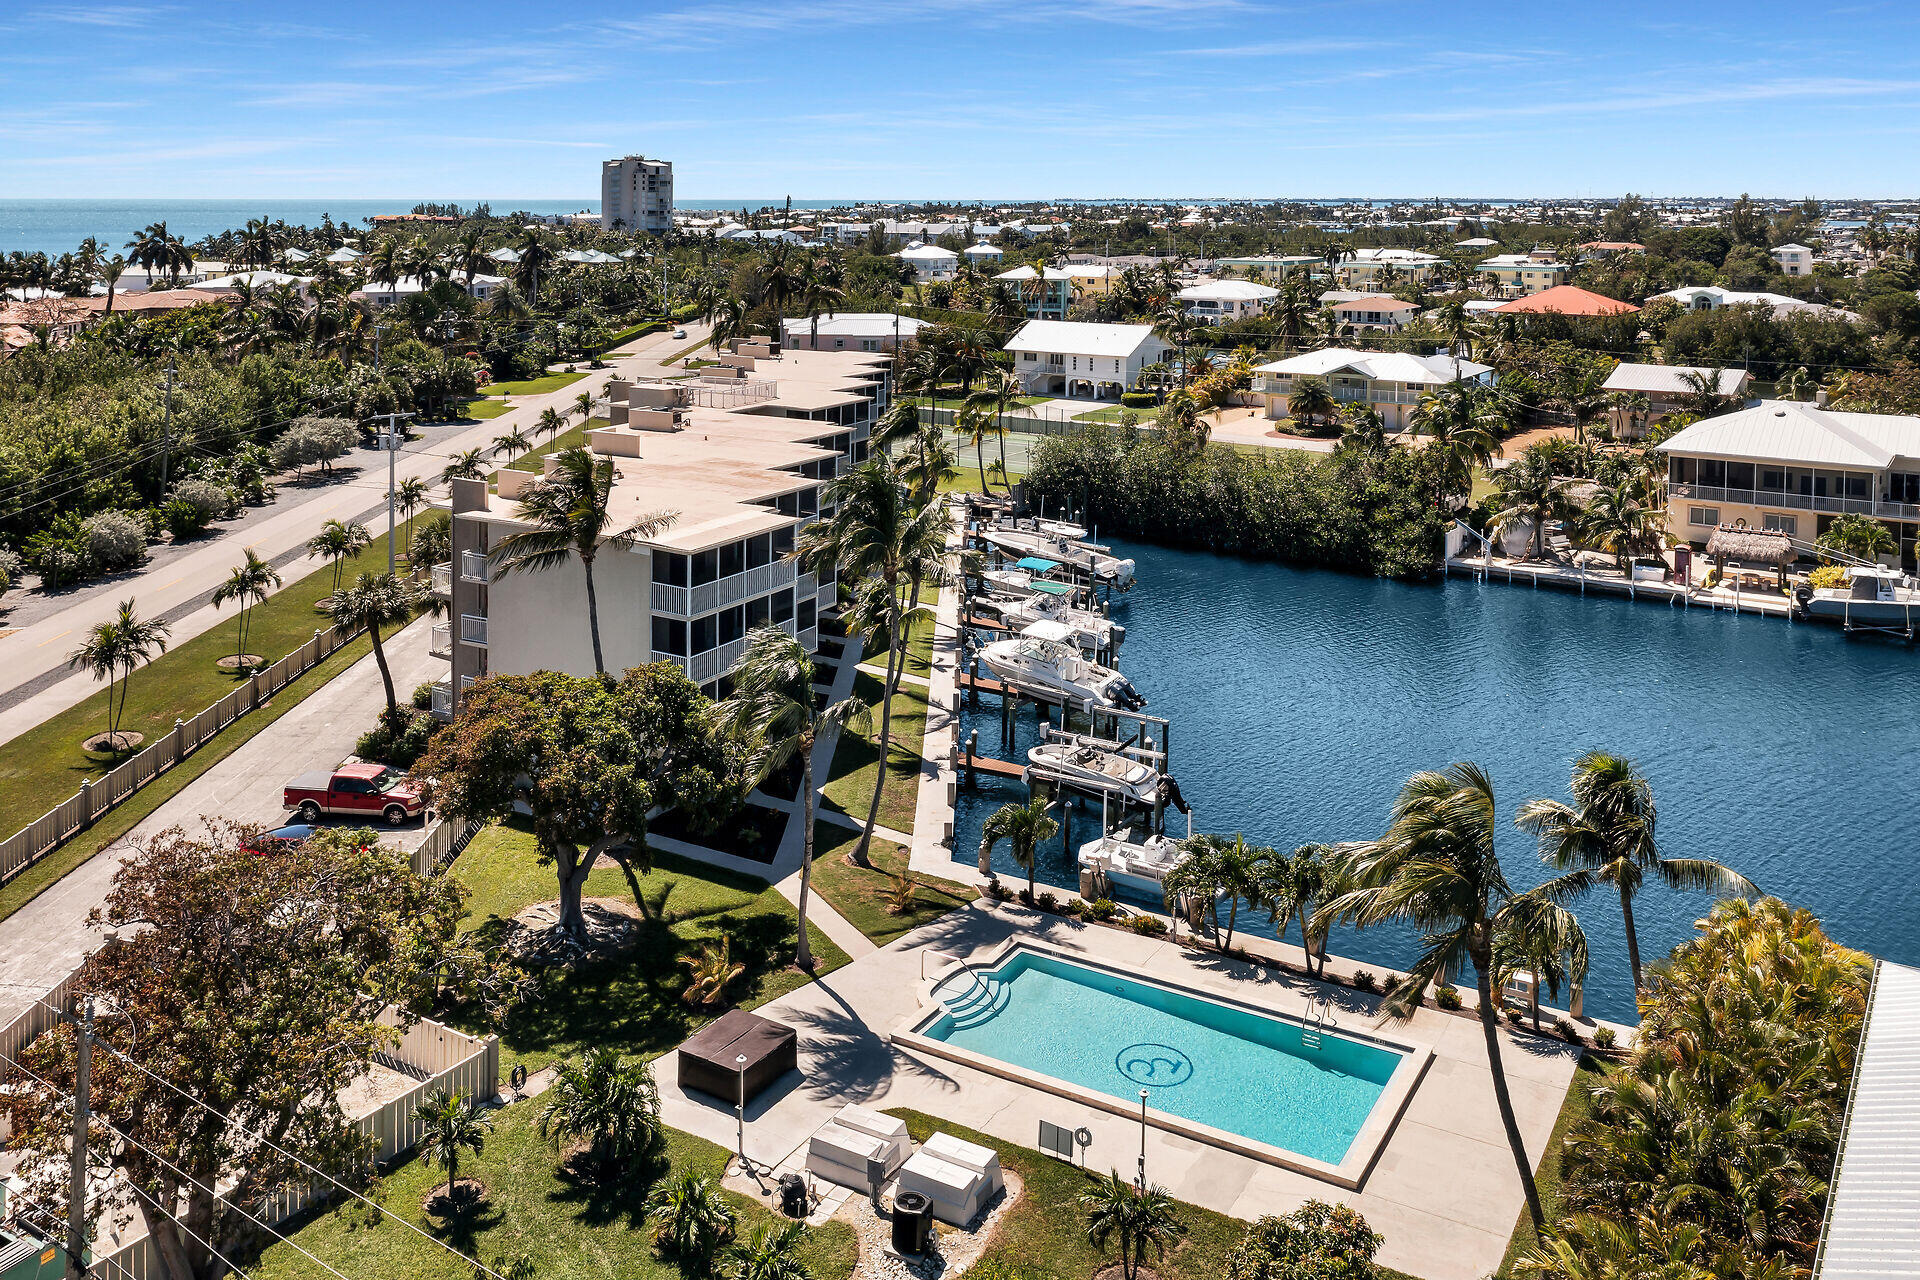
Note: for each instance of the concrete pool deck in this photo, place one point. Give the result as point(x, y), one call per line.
point(1443, 1191)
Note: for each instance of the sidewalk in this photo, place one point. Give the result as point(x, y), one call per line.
point(48, 938)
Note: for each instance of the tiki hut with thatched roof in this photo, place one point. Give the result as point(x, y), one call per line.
point(1752, 548)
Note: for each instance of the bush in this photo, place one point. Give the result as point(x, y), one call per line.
point(1567, 1031)
point(1138, 400)
point(1518, 1017)
point(400, 749)
point(183, 518)
point(314, 442)
point(1603, 1038)
point(1101, 909)
point(1148, 926)
point(114, 540)
point(12, 568)
point(1046, 901)
point(1447, 996)
point(1828, 575)
point(423, 696)
point(1365, 980)
point(1318, 1240)
point(997, 891)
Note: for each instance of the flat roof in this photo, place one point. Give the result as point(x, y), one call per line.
point(1873, 1213)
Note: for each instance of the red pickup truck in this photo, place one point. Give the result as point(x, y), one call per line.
point(355, 790)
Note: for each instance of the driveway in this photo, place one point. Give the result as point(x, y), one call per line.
point(48, 938)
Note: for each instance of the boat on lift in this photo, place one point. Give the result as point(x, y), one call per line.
point(1060, 530)
point(1057, 672)
point(1090, 766)
point(1134, 860)
point(1024, 578)
point(1091, 631)
point(1875, 597)
point(1095, 561)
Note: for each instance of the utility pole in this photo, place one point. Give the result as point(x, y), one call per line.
point(390, 441)
point(77, 1189)
point(376, 346)
point(166, 446)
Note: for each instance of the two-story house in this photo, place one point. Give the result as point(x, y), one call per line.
point(1082, 361)
point(1358, 310)
point(1794, 259)
point(1668, 388)
point(1382, 268)
point(1519, 274)
point(930, 262)
point(1392, 382)
point(1218, 301)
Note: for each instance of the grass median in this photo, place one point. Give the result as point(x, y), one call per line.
point(535, 386)
point(857, 759)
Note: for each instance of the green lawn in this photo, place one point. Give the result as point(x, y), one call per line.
point(968, 481)
point(484, 408)
point(45, 764)
point(860, 893)
point(536, 386)
point(574, 435)
point(570, 1229)
point(1591, 1074)
point(855, 761)
point(633, 1001)
point(1114, 414)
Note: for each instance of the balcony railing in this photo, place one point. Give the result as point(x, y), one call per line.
point(692, 602)
point(442, 579)
point(443, 699)
point(440, 640)
point(473, 630)
point(1797, 501)
point(473, 566)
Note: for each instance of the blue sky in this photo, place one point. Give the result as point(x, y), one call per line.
point(958, 98)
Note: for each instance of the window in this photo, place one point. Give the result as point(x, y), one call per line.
point(1706, 517)
point(759, 550)
point(706, 567)
point(806, 614)
point(706, 633)
point(733, 559)
point(759, 612)
point(783, 542)
point(1775, 523)
point(670, 636)
point(733, 624)
point(353, 786)
point(782, 605)
point(1029, 356)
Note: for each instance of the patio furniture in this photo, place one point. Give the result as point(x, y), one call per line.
point(856, 1141)
point(960, 1178)
point(710, 1059)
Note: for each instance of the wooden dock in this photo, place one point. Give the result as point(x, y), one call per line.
point(996, 768)
point(983, 624)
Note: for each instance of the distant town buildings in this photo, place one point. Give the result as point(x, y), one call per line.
point(636, 194)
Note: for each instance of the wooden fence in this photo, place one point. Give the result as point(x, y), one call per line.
point(80, 810)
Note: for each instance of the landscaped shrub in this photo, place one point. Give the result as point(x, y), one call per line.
point(1365, 980)
point(1518, 1017)
point(423, 696)
point(400, 749)
point(314, 442)
point(1567, 1031)
point(1138, 400)
point(72, 550)
point(997, 891)
point(11, 569)
point(1101, 909)
point(1447, 996)
point(1318, 1240)
point(1046, 901)
point(1828, 575)
point(114, 541)
point(195, 504)
point(1148, 926)
point(1603, 1038)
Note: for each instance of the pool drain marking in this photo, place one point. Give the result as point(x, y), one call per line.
point(1160, 1065)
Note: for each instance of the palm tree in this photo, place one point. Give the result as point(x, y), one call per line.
point(772, 1254)
point(610, 1102)
point(110, 271)
point(511, 441)
point(1582, 393)
point(774, 710)
point(1363, 430)
point(1703, 397)
point(1618, 522)
point(112, 650)
point(1436, 869)
point(583, 405)
point(336, 541)
point(465, 465)
point(1222, 868)
point(1530, 495)
point(449, 1124)
point(570, 514)
point(1607, 834)
point(409, 497)
point(877, 533)
point(1797, 384)
point(248, 583)
point(1025, 827)
point(1311, 400)
point(1001, 390)
point(927, 462)
point(691, 1220)
point(470, 254)
point(1134, 1219)
point(550, 422)
point(1461, 428)
point(536, 254)
point(375, 601)
point(156, 249)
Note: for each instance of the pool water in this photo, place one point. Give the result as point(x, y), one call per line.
point(1302, 699)
point(1230, 1068)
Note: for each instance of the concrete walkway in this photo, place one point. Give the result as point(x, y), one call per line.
point(48, 938)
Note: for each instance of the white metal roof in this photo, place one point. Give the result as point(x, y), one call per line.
point(856, 324)
point(1873, 1215)
point(1393, 257)
point(1798, 434)
point(1074, 337)
point(1671, 379)
point(1229, 291)
point(1379, 366)
point(1510, 260)
point(928, 253)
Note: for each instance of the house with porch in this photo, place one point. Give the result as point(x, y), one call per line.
point(1217, 301)
point(1794, 259)
point(930, 262)
point(1375, 268)
point(1043, 302)
point(1791, 467)
point(1360, 310)
point(1519, 274)
point(1666, 387)
point(1392, 382)
point(1082, 361)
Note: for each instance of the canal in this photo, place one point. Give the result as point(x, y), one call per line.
point(1301, 700)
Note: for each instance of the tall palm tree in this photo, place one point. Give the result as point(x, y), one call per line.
point(774, 710)
point(1025, 827)
point(1461, 427)
point(570, 516)
point(110, 271)
point(468, 464)
point(1607, 834)
point(1530, 495)
point(336, 541)
point(411, 495)
point(877, 533)
point(377, 602)
point(1001, 389)
point(583, 405)
point(1136, 1219)
point(1436, 869)
point(470, 252)
point(385, 263)
point(1582, 393)
point(927, 461)
point(112, 650)
point(248, 584)
point(536, 255)
point(449, 1124)
point(511, 442)
point(550, 423)
point(1618, 521)
point(155, 249)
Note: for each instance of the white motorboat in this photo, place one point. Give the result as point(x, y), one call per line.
point(1873, 597)
point(1132, 859)
point(1089, 630)
point(1061, 530)
point(1010, 584)
point(1091, 768)
point(1058, 672)
point(1092, 560)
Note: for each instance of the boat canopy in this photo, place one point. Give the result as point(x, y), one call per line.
point(1034, 564)
point(1053, 588)
point(1046, 629)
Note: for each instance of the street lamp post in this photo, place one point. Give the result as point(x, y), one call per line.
point(1142, 1177)
point(740, 1112)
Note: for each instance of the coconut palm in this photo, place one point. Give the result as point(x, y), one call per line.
point(1618, 521)
point(449, 1124)
point(1436, 869)
point(1796, 384)
point(1222, 868)
point(411, 495)
point(927, 462)
point(608, 1101)
point(772, 1254)
point(511, 442)
point(1363, 430)
point(248, 584)
point(1001, 389)
point(571, 517)
point(1311, 401)
point(1703, 397)
point(582, 404)
point(1859, 537)
point(1582, 393)
point(465, 465)
point(549, 423)
point(1133, 1219)
point(1025, 827)
point(1529, 495)
point(773, 710)
point(112, 650)
point(377, 602)
point(691, 1220)
point(434, 542)
point(156, 249)
point(337, 540)
point(109, 272)
point(1461, 428)
point(1608, 835)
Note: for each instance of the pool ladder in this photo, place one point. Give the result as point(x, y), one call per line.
point(1319, 1017)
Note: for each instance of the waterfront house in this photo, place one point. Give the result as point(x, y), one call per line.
point(1791, 467)
point(1082, 361)
point(1565, 300)
point(1360, 310)
point(848, 331)
point(1048, 303)
point(1217, 301)
point(1666, 387)
point(1712, 297)
point(930, 262)
point(1519, 274)
point(389, 293)
point(1392, 382)
point(1794, 259)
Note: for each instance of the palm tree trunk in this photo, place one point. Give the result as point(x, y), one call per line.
point(980, 456)
point(386, 676)
point(1489, 1026)
point(802, 951)
point(1633, 938)
point(1233, 914)
point(896, 645)
point(593, 616)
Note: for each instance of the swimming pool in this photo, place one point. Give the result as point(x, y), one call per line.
point(1312, 1097)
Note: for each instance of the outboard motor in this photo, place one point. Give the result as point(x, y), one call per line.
point(1170, 794)
point(1802, 596)
point(1125, 695)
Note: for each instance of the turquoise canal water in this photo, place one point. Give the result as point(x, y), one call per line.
point(1301, 700)
point(1204, 1061)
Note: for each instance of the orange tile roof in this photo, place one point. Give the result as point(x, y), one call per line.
point(1566, 300)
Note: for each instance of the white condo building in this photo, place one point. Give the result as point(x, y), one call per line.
point(637, 194)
